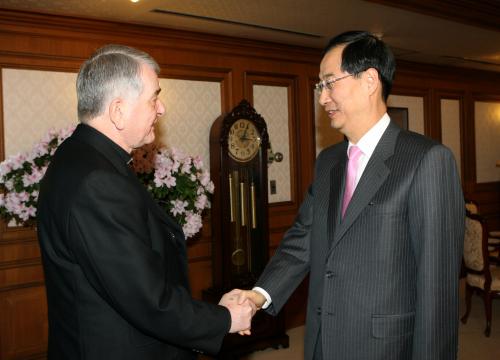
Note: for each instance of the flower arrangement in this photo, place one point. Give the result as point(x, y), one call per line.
point(20, 177)
point(177, 181)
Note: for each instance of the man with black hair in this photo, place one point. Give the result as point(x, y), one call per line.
point(380, 230)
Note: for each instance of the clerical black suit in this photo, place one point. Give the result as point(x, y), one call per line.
point(115, 263)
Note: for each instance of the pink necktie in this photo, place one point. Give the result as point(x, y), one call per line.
point(352, 170)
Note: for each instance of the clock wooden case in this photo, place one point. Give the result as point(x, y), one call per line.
point(239, 144)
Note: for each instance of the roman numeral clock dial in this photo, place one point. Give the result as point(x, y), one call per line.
point(244, 140)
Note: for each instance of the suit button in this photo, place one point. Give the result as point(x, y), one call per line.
point(318, 310)
point(330, 274)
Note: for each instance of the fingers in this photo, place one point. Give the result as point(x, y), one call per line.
point(245, 295)
point(229, 297)
point(241, 316)
point(254, 296)
point(247, 332)
point(234, 292)
point(242, 305)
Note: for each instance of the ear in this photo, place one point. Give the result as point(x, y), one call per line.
point(372, 80)
point(116, 113)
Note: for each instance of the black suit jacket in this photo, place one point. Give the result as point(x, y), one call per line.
point(383, 280)
point(115, 263)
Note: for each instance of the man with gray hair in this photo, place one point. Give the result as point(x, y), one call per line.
point(115, 263)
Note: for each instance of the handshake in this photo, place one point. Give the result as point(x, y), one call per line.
point(242, 305)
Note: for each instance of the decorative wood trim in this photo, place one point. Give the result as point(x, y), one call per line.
point(487, 195)
point(447, 94)
point(26, 285)
point(479, 13)
point(431, 128)
point(290, 82)
point(17, 233)
point(65, 28)
point(480, 97)
point(452, 77)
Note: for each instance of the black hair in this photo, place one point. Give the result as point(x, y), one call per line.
point(362, 51)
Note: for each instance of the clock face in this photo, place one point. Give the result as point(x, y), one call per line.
point(243, 141)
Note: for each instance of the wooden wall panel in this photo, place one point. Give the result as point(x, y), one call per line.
point(23, 324)
point(20, 252)
point(438, 82)
point(45, 42)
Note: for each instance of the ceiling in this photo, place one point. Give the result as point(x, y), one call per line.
point(461, 33)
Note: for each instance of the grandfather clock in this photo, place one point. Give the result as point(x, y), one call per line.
point(239, 145)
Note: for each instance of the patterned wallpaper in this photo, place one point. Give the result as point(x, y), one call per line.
point(450, 127)
point(487, 128)
point(271, 102)
point(33, 103)
point(191, 108)
point(415, 105)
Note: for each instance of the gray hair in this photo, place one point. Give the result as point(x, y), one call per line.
point(112, 71)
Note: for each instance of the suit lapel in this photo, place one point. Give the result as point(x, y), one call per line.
point(374, 175)
point(337, 184)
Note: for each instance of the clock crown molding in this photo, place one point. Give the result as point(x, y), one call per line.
point(244, 110)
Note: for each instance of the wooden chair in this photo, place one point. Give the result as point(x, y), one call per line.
point(471, 207)
point(481, 278)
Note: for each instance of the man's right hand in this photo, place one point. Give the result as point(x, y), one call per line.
point(241, 311)
point(254, 296)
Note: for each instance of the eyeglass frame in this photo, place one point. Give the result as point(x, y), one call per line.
point(328, 83)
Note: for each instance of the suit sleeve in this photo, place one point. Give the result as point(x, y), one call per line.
point(436, 216)
point(108, 226)
point(290, 264)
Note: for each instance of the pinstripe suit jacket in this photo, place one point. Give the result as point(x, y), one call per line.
point(383, 280)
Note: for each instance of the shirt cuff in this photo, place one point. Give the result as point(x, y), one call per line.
point(265, 294)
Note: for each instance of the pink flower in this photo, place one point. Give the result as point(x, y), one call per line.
point(186, 166)
point(193, 224)
point(204, 178)
point(20, 169)
point(210, 187)
point(179, 207)
point(197, 162)
point(201, 202)
point(168, 174)
point(17, 161)
point(5, 168)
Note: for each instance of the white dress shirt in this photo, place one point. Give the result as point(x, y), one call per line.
point(368, 143)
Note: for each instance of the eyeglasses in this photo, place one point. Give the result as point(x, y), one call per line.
point(328, 84)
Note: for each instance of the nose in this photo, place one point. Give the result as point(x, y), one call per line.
point(160, 108)
point(324, 97)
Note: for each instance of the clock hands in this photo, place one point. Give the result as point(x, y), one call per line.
point(243, 137)
point(243, 141)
